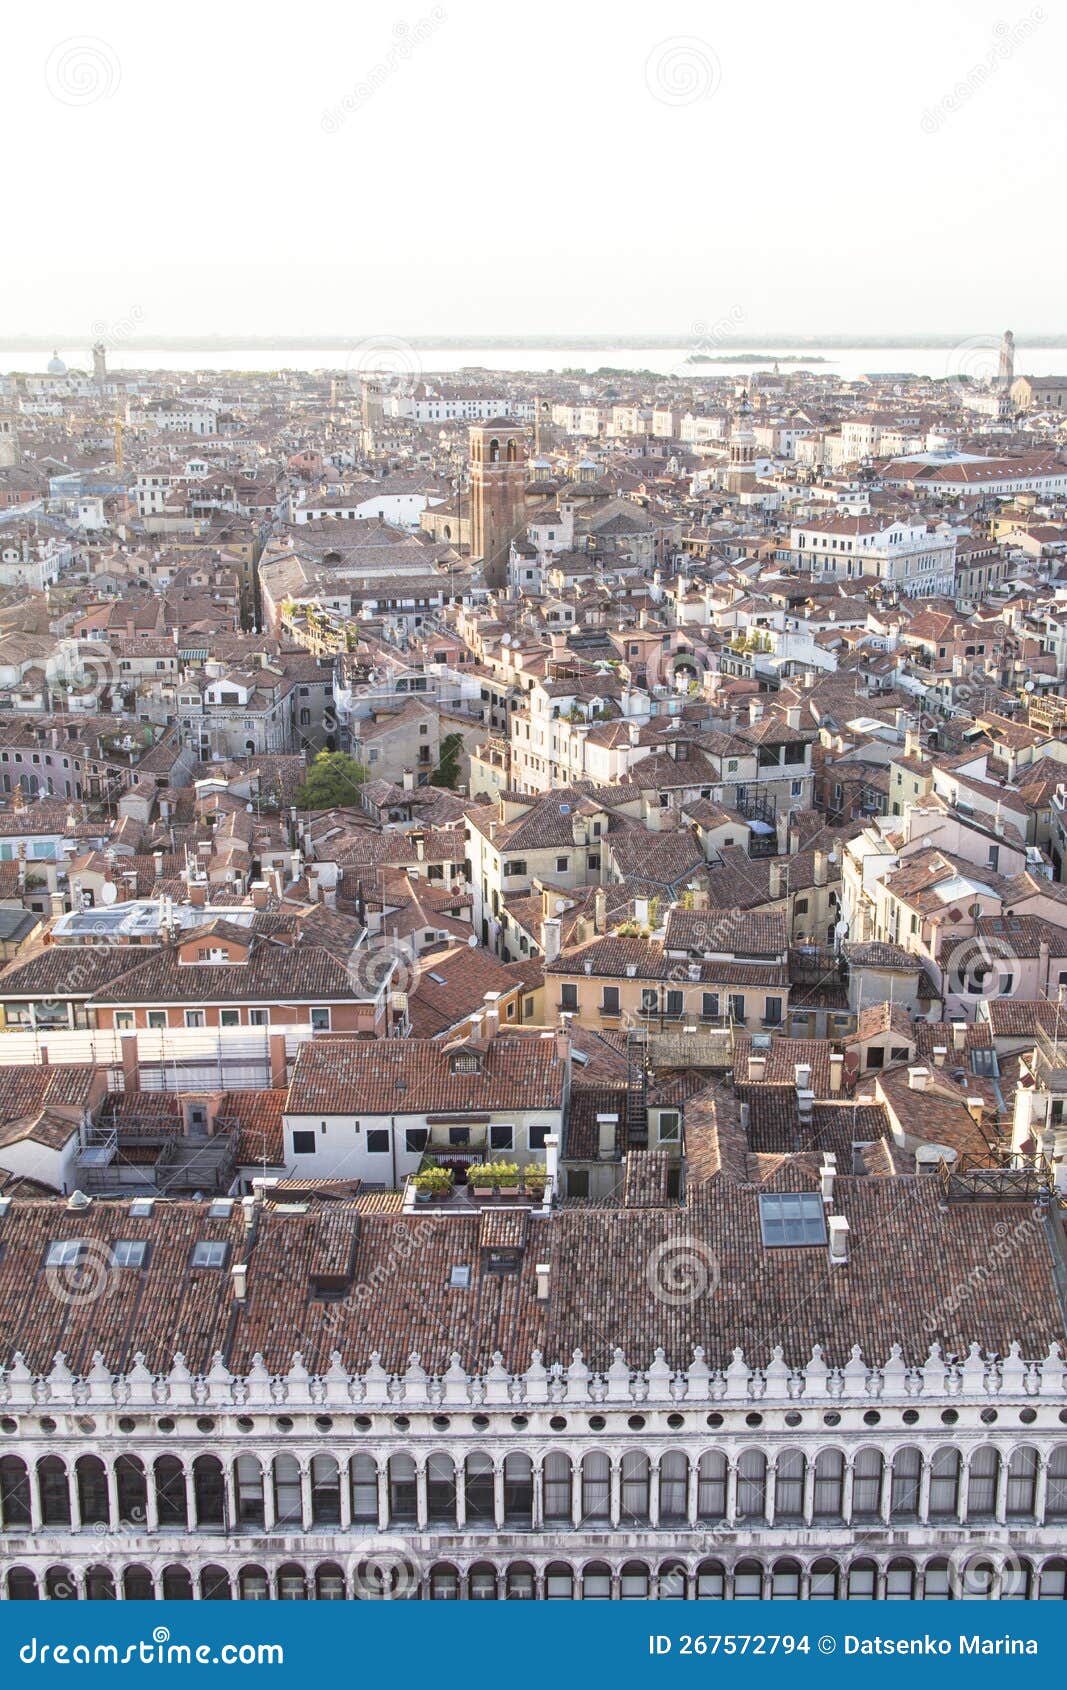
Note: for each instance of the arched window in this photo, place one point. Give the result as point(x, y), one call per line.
point(478, 1488)
point(711, 1486)
point(671, 1582)
point(1016, 1581)
point(900, 1581)
point(441, 1489)
point(513, 452)
point(633, 1585)
point(789, 1485)
point(596, 1582)
point(1022, 1483)
point(403, 1504)
point(494, 451)
point(867, 1484)
point(983, 1468)
point(557, 1483)
point(54, 1491)
point(1056, 1486)
point(248, 1490)
point(481, 1583)
point(59, 1585)
point(288, 1502)
point(828, 1499)
point(209, 1491)
point(785, 1581)
point(751, 1484)
point(170, 1491)
point(364, 1478)
point(559, 1582)
point(936, 1581)
point(862, 1577)
point(519, 1582)
point(824, 1579)
point(673, 1487)
point(711, 1581)
point(215, 1585)
point(444, 1583)
point(100, 1585)
point(748, 1581)
point(1053, 1583)
point(329, 1583)
point(92, 1490)
point(325, 1491)
point(518, 1490)
point(22, 1585)
point(177, 1584)
point(138, 1585)
point(634, 1488)
point(904, 1494)
point(292, 1583)
point(596, 1487)
point(253, 1584)
point(132, 1487)
point(944, 1483)
point(14, 1493)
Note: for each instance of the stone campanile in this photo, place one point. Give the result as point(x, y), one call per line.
point(498, 493)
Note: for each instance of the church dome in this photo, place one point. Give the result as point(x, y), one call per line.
point(56, 366)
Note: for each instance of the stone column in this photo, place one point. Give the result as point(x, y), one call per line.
point(653, 1492)
point(924, 1491)
point(269, 1510)
point(498, 1495)
point(616, 1490)
point(306, 1504)
point(383, 1494)
point(344, 1476)
point(112, 1496)
point(692, 1493)
point(190, 1499)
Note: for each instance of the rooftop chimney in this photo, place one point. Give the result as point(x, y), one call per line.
point(777, 885)
point(551, 1164)
point(821, 868)
point(827, 1175)
point(600, 911)
point(838, 1228)
point(940, 1053)
point(543, 1272)
point(757, 1066)
point(792, 717)
point(917, 1078)
point(802, 1075)
point(550, 938)
point(959, 1035)
point(491, 1018)
point(240, 1281)
point(976, 1109)
point(837, 1070)
point(607, 1127)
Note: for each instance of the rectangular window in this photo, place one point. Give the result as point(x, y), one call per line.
point(124, 1020)
point(415, 1140)
point(709, 1006)
point(670, 1126)
point(562, 865)
point(378, 1140)
point(259, 1017)
point(129, 1253)
point(537, 1137)
point(229, 1017)
point(674, 1003)
point(194, 1018)
point(209, 1253)
point(304, 1144)
point(320, 1020)
point(791, 1217)
point(772, 1012)
point(610, 1001)
point(501, 1137)
point(568, 996)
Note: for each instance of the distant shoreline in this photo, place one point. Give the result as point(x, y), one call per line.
point(759, 358)
point(531, 343)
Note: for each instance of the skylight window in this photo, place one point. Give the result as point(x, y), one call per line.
point(129, 1253)
point(791, 1217)
point(141, 1208)
point(460, 1278)
point(64, 1252)
point(209, 1253)
point(221, 1209)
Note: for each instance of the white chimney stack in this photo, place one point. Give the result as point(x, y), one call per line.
point(827, 1174)
point(838, 1228)
point(837, 1070)
point(240, 1281)
point(543, 1271)
point(917, 1078)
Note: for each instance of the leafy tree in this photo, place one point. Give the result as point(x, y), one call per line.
point(333, 779)
point(447, 770)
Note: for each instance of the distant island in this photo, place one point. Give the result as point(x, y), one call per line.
point(755, 358)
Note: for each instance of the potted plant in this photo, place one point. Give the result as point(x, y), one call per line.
point(534, 1179)
point(507, 1175)
point(432, 1185)
point(481, 1179)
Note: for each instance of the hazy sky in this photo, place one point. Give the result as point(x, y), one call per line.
point(415, 168)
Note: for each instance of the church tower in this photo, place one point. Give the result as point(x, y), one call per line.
point(9, 440)
point(100, 364)
point(497, 492)
point(1006, 373)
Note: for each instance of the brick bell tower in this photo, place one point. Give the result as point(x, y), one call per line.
point(498, 493)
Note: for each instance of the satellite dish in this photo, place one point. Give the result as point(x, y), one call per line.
point(473, 941)
point(1029, 687)
point(108, 892)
